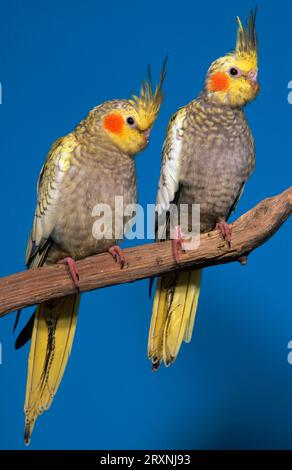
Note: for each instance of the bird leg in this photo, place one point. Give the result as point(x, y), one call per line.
point(117, 255)
point(70, 262)
point(225, 231)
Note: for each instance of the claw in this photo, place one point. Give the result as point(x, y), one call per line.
point(177, 243)
point(176, 246)
point(117, 255)
point(225, 231)
point(70, 262)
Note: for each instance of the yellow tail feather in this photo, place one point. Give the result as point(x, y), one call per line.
point(51, 343)
point(173, 315)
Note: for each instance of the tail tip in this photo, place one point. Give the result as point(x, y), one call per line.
point(27, 434)
point(155, 364)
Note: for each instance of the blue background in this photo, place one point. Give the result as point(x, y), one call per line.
point(232, 386)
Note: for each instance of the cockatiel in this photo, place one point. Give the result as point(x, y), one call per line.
point(208, 156)
point(89, 166)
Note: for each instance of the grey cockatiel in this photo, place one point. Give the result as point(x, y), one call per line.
point(208, 155)
point(90, 166)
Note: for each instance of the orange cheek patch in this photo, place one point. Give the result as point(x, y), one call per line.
point(219, 81)
point(114, 123)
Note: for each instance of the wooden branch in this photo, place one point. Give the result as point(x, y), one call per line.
point(248, 232)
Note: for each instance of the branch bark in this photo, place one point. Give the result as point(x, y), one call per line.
point(248, 232)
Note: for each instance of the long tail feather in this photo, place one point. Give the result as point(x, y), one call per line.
point(51, 343)
point(25, 334)
point(173, 315)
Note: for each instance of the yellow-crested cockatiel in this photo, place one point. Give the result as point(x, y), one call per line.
point(91, 165)
point(208, 156)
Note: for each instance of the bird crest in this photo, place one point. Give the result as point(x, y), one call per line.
point(148, 103)
point(247, 40)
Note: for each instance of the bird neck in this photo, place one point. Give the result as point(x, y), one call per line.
point(212, 99)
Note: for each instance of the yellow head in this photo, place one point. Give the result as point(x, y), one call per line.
point(232, 79)
point(128, 123)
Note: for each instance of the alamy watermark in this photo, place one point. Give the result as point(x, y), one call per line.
point(132, 222)
point(289, 357)
point(290, 92)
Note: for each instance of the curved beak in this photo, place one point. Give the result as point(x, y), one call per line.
point(253, 78)
point(146, 134)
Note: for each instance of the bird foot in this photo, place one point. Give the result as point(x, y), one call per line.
point(177, 242)
point(70, 262)
point(225, 231)
point(117, 255)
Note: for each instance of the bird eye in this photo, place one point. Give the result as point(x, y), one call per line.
point(130, 121)
point(233, 71)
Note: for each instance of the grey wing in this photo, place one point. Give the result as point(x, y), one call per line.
point(169, 182)
point(45, 214)
point(251, 151)
point(234, 205)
